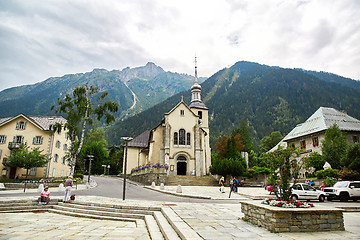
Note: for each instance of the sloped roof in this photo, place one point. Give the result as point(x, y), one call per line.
point(321, 120)
point(43, 122)
point(140, 141)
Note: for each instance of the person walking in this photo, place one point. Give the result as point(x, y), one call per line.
point(231, 185)
point(68, 187)
point(221, 182)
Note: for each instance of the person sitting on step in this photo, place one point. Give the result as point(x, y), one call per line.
point(44, 196)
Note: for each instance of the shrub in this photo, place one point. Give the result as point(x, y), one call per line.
point(327, 173)
point(347, 174)
point(79, 175)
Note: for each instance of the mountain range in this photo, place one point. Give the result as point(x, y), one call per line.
point(135, 89)
point(268, 98)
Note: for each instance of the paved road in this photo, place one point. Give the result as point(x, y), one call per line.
point(113, 188)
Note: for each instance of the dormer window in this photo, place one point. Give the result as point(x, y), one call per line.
point(20, 125)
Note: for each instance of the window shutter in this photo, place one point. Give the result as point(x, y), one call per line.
point(24, 125)
point(41, 141)
point(34, 140)
point(14, 139)
point(17, 125)
point(4, 139)
point(22, 139)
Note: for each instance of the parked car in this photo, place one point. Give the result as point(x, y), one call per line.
point(304, 191)
point(343, 190)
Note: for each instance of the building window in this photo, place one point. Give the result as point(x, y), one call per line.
point(302, 144)
point(188, 139)
point(37, 140)
point(65, 147)
point(176, 139)
point(2, 139)
point(355, 139)
point(53, 172)
point(20, 125)
point(18, 139)
point(62, 173)
point(56, 157)
point(315, 141)
point(182, 137)
point(58, 144)
point(32, 172)
point(200, 114)
point(63, 160)
point(182, 113)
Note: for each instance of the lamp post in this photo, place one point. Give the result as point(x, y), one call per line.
point(108, 167)
point(127, 139)
point(90, 159)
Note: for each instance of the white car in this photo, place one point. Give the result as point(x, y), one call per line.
point(343, 190)
point(302, 191)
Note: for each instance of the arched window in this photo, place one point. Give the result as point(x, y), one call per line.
point(182, 137)
point(176, 139)
point(188, 139)
point(56, 157)
point(65, 147)
point(58, 144)
point(63, 160)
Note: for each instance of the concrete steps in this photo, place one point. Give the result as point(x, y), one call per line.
point(191, 181)
point(161, 223)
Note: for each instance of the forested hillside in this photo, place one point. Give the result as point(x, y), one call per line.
point(269, 98)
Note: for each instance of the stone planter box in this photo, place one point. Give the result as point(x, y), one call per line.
point(276, 219)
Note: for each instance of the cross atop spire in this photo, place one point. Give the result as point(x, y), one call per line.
point(196, 77)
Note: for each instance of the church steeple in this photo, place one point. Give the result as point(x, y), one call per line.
point(196, 92)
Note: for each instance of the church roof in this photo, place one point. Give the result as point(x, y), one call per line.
point(323, 119)
point(140, 141)
point(198, 105)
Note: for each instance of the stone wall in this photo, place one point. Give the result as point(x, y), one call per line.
point(276, 219)
point(148, 178)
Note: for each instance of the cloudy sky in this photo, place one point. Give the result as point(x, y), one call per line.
point(41, 39)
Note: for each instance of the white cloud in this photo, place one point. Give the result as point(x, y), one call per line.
point(52, 38)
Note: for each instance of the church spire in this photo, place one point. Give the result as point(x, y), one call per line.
point(196, 91)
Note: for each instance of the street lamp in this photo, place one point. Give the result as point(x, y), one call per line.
point(127, 139)
point(108, 167)
point(90, 159)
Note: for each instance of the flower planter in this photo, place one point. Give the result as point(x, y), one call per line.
point(275, 219)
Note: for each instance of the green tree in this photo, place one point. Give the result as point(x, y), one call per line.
point(96, 134)
point(334, 146)
point(245, 136)
point(80, 110)
point(26, 158)
point(115, 160)
point(315, 160)
point(284, 167)
point(268, 142)
point(100, 154)
point(351, 159)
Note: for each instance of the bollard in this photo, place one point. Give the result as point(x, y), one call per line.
point(179, 190)
point(61, 187)
point(153, 184)
point(40, 188)
point(161, 186)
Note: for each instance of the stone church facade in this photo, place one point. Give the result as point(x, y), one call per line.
point(180, 141)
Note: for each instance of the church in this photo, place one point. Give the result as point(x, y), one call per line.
point(179, 143)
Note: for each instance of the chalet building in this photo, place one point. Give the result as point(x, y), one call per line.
point(180, 141)
point(35, 132)
point(310, 134)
